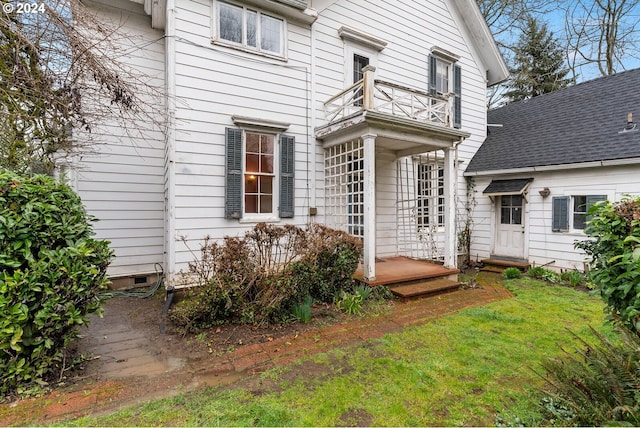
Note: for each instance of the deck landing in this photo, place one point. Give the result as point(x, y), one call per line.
point(408, 278)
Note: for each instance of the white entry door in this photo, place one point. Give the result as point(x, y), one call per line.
point(509, 240)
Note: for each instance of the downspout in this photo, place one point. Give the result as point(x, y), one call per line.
point(456, 223)
point(311, 149)
point(170, 61)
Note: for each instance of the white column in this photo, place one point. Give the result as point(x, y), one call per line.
point(369, 146)
point(450, 248)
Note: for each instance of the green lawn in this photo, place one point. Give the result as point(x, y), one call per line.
point(466, 369)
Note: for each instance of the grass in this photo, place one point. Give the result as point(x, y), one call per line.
point(472, 368)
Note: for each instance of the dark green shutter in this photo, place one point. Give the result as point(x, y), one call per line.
point(287, 170)
point(457, 100)
point(233, 194)
point(432, 74)
point(560, 214)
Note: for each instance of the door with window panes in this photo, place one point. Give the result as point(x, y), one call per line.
point(509, 240)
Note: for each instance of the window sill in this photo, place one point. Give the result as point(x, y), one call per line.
point(245, 49)
point(258, 219)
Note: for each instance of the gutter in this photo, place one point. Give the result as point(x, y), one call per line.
point(560, 167)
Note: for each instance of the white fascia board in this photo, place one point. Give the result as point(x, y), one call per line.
point(497, 70)
point(562, 167)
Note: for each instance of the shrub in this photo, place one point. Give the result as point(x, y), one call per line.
point(512, 273)
point(536, 272)
point(598, 386)
point(351, 303)
point(363, 290)
point(302, 310)
point(572, 277)
point(550, 276)
point(328, 261)
point(614, 252)
point(51, 274)
point(262, 276)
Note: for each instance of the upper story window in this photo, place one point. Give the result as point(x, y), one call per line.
point(442, 76)
point(250, 29)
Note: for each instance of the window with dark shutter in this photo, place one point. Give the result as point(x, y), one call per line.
point(457, 101)
point(287, 169)
point(233, 164)
point(560, 214)
point(433, 65)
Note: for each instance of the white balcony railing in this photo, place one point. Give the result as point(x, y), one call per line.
point(389, 98)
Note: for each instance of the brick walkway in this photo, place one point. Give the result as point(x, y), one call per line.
point(107, 396)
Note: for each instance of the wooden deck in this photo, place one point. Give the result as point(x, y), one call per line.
point(397, 270)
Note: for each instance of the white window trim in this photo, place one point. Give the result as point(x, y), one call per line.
point(572, 213)
point(243, 46)
point(439, 163)
point(349, 50)
point(273, 216)
point(450, 59)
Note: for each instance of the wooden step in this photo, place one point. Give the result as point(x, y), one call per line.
point(499, 263)
point(424, 288)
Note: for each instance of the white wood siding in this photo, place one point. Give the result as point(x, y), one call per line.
point(214, 83)
point(545, 247)
point(121, 181)
point(411, 30)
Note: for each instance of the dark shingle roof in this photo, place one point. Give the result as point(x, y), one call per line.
point(577, 124)
point(515, 186)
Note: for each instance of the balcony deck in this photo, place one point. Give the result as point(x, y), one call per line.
point(392, 99)
point(405, 120)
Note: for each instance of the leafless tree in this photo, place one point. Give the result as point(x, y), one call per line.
point(507, 20)
point(603, 33)
point(63, 75)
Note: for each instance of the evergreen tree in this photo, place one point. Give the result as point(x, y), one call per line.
point(540, 66)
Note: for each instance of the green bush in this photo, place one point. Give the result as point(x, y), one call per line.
point(327, 262)
point(536, 272)
point(550, 276)
point(614, 251)
point(302, 311)
point(512, 273)
point(600, 386)
point(572, 277)
point(51, 274)
point(262, 276)
point(351, 303)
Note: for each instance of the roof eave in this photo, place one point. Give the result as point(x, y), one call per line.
point(497, 70)
point(559, 167)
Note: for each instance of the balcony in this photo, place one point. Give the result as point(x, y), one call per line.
point(406, 120)
point(389, 98)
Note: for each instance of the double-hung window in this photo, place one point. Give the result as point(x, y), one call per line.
point(445, 79)
point(259, 175)
point(248, 28)
point(572, 212)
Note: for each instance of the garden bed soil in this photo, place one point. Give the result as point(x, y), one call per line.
point(146, 318)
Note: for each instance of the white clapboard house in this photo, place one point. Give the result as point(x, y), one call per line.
point(360, 115)
point(546, 161)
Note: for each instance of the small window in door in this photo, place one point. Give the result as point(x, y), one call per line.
point(511, 209)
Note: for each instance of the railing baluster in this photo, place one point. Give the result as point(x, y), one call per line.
point(390, 98)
